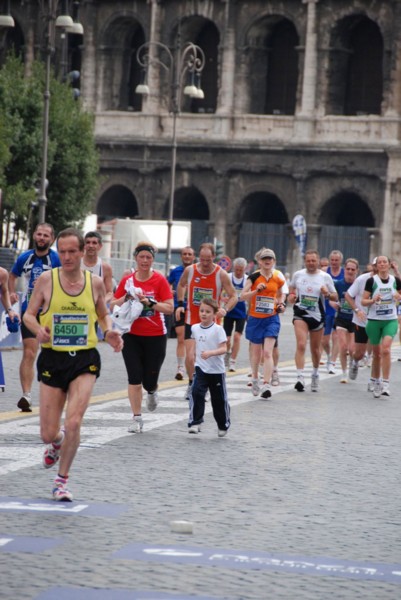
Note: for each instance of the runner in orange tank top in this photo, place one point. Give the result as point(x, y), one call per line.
point(204, 279)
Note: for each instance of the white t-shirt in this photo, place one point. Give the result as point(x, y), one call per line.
point(209, 338)
point(309, 296)
point(356, 292)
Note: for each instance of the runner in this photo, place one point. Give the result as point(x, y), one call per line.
point(309, 288)
point(204, 279)
point(264, 293)
point(235, 319)
point(72, 301)
point(187, 258)
point(29, 265)
point(329, 340)
point(382, 292)
point(343, 324)
point(93, 263)
point(354, 296)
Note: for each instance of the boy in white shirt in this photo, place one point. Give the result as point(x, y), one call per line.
point(210, 348)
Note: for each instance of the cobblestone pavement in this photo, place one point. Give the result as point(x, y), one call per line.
point(304, 487)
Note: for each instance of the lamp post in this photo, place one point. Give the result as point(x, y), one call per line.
point(48, 10)
point(188, 60)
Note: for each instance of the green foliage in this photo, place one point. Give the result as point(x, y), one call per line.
point(72, 156)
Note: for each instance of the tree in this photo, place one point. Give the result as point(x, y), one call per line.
point(73, 161)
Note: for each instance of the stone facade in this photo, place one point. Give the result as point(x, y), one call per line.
point(301, 115)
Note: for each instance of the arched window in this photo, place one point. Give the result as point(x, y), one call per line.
point(273, 66)
point(282, 70)
point(364, 89)
point(355, 84)
point(116, 202)
point(205, 34)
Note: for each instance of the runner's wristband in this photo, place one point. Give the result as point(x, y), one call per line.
point(105, 333)
point(180, 304)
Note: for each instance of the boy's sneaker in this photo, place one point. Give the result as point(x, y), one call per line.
point(24, 404)
point(353, 370)
point(52, 454)
point(222, 432)
point(180, 374)
point(152, 400)
point(232, 368)
point(194, 429)
point(61, 493)
point(385, 389)
point(314, 386)
point(300, 384)
point(255, 387)
point(275, 378)
point(377, 389)
point(188, 392)
point(136, 425)
point(266, 391)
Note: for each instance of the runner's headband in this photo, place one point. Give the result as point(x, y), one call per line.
point(144, 247)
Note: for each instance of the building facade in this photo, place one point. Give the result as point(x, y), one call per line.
point(300, 115)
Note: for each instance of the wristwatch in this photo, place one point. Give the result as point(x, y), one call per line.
point(152, 302)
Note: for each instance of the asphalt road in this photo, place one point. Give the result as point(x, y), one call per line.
point(298, 501)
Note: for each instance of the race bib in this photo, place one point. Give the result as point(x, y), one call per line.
point(308, 302)
point(200, 294)
point(264, 305)
point(70, 330)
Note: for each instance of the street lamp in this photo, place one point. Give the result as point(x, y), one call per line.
point(48, 9)
point(188, 60)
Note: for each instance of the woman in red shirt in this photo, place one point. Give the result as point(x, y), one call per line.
point(145, 344)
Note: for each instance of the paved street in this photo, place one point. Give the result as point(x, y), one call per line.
point(298, 501)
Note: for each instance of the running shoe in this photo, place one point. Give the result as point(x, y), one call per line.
point(265, 391)
point(232, 368)
point(255, 387)
point(275, 378)
point(371, 386)
point(344, 378)
point(136, 425)
point(188, 392)
point(353, 370)
point(300, 384)
point(24, 404)
point(61, 493)
point(377, 389)
point(314, 386)
point(152, 400)
point(331, 368)
point(385, 389)
point(194, 429)
point(222, 432)
point(180, 374)
point(367, 360)
point(51, 454)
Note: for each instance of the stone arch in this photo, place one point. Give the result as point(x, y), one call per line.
point(344, 221)
point(262, 207)
point(347, 209)
point(117, 201)
point(191, 205)
point(121, 70)
point(272, 63)
point(356, 67)
point(263, 222)
point(204, 33)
